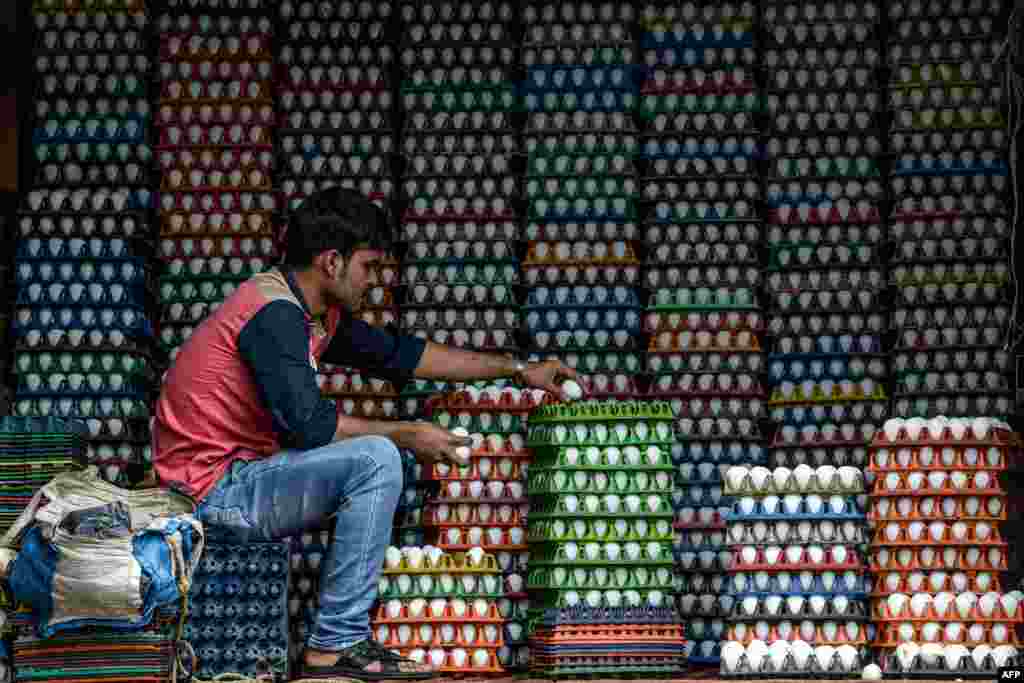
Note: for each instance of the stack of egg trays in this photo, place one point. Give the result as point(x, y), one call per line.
point(336, 129)
point(600, 531)
point(495, 414)
point(937, 552)
point(441, 608)
point(824, 280)
point(700, 156)
point(215, 120)
point(82, 334)
point(460, 185)
point(949, 222)
point(582, 267)
point(799, 582)
point(34, 450)
point(238, 612)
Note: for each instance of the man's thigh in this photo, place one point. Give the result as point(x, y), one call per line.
point(294, 491)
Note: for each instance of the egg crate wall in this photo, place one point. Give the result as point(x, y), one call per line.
point(32, 452)
point(442, 608)
point(358, 393)
point(937, 552)
point(798, 583)
point(238, 612)
point(951, 209)
point(574, 641)
point(215, 118)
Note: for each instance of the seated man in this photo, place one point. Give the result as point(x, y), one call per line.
point(241, 425)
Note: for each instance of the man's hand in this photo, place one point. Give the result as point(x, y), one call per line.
point(549, 375)
point(431, 443)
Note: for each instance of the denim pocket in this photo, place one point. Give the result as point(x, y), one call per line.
point(225, 522)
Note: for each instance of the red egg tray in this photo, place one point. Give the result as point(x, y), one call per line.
point(917, 564)
point(889, 636)
point(881, 613)
point(928, 539)
point(852, 563)
point(794, 635)
point(882, 591)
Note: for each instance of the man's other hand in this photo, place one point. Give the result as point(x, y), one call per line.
point(433, 444)
point(549, 375)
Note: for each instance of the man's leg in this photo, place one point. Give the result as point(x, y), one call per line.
point(358, 480)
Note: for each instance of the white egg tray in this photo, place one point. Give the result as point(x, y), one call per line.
point(783, 659)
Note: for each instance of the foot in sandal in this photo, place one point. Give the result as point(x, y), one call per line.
point(367, 660)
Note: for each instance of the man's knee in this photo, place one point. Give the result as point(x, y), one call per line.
point(386, 457)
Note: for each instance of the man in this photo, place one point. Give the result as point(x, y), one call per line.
point(241, 425)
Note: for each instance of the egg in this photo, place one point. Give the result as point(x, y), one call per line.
point(571, 390)
point(871, 672)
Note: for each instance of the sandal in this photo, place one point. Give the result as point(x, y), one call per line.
point(367, 661)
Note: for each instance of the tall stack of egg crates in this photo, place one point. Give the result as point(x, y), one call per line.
point(459, 185)
point(582, 269)
point(600, 534)
point(823, 286)
point(82, 334)
point(485, 505)
point(441, 608)
point(950, 208)
point(335, 128)
point(700, 153)
point(215, 120)
point(937, 551)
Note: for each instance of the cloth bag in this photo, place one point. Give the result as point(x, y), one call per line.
point(88, 553)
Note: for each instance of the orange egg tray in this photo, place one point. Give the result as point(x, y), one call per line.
point(928, 538)
point(889, 636)
point(917, 562)
point(449, 666)
point(671, 342)
point(880, 612)
point(506, 545)
point(462, 402)
point(177, 47)
point(416, 641)
point(215, 200)
point(881, 488)
point(197, 223)
point(995, 437)
point(474, 473)
point(368, 386)
point(493, 616)
point(368, 408)
point(237, 90)
point(959, 461)
point(216, 135)
point(657, 322)
point(882, 591)
point(959, 513)
point(430, 519)
point(795, 634)
point(222, 247)
point(601, 634)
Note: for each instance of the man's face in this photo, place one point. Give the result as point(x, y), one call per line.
point(350, 278)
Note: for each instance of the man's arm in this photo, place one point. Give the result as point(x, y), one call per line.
point(275, 345)
point(459, 365)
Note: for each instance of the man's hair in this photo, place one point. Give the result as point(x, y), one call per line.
point(335, 218)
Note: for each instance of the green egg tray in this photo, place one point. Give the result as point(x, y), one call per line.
point(636, 578)
point(549, 531)
point(602, 411)
point(650, 106)
point(556, 507)
point(540, 436)
point(553, 554)
point(621, 481)
point(559, 459)
point(504, 423)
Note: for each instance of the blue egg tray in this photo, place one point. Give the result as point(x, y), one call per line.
point(850, 583)
point(239, 609)
point(126, 270)
point(601, 78)
point(737, 453)
point(692, 42)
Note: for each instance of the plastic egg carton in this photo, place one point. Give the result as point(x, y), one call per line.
point(934, 660)
point(632, 641)
point(441, 608)
point(785, 659)
point(238, 607)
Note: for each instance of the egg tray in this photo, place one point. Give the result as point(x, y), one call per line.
point(761, 564)
point(889, 637)
point(594, 663)
point(854, 585)
point(842, 636)
point(849, 534)
point(915, 564)
point(706, 606)
point(688, 430)
point(700, 359)
point(546, 531)
point(543, 437)
point(882, 614)
point(838, 456)
point(703, 495)
point(969, 581)
point(432, 521)
point(851, 511)
point(916, 511)
point(390, 592)
point(812, 670)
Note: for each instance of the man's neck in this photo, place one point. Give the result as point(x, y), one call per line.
point(310, 292)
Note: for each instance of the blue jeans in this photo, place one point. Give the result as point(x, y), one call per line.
point(357, 480)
